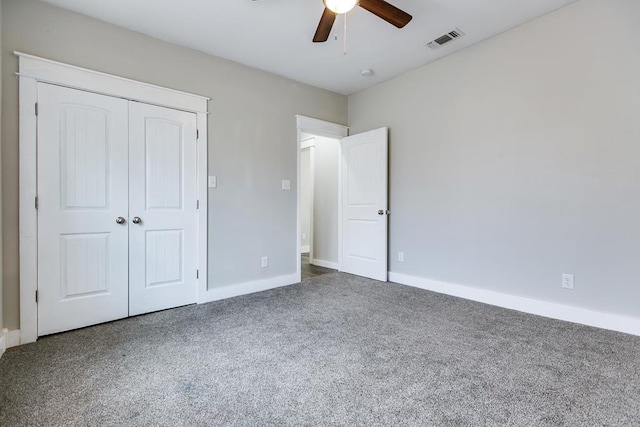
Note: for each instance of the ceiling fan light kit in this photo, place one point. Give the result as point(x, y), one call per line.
point(380, 8)
point(340, 6)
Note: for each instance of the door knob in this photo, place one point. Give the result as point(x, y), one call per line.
point(382, 212)
point(136, 220)
point(120, 220)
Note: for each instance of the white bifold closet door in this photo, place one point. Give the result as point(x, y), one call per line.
point(82, 189)
point(162, 195)
point(116, 208)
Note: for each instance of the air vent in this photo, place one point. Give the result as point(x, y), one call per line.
point(444, 39)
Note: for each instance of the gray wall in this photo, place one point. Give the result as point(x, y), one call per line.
point(518, 159)
point(325, 200)
point(252, 135)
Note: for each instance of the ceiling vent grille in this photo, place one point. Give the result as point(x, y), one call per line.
point(444, 39)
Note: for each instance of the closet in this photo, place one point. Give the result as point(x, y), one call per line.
point(116, 208)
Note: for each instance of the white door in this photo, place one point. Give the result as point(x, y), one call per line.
point(364, 204)
point(82, 190)
point(162, 208)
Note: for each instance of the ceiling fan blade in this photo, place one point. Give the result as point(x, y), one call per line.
point(324, 27)
point(387, 11)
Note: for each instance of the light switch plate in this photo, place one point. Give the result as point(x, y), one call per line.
point(286, 184)
point(213, 182)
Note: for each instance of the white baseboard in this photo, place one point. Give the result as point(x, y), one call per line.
point(8, 339)
point(231, 291)
point(3, 342)
point(13, 339)
point(305, 249)
point(326, 264)
point(614, 322)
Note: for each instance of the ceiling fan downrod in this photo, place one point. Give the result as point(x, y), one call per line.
point(344, 48)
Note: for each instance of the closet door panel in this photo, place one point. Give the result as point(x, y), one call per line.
point(82, 190)
point(162, 198)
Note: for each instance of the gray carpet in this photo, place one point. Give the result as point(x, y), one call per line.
point(334, 350)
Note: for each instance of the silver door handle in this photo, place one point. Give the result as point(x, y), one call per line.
point(136, 220)
point(383, 212)
point(120, 220)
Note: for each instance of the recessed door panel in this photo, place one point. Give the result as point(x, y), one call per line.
point(163, 140)
point(84, 264)
point(362, 239)
point(84, 157)
point(363, 173)
point(82, 190)
point(164, 257)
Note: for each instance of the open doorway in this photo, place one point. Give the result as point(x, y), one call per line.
point(318, 196)
point(354, 204)
point(319, 181)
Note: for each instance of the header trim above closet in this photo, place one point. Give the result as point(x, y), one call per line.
point(49, 71)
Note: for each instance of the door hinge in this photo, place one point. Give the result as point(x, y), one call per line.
point(36, 296)
point(197, 133)
point(36, 108)
point(36, 203)
point(197, 204)
point(197, 274)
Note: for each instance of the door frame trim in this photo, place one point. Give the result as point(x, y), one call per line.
point(309, 144)
point(321, 128)
point(34, 70)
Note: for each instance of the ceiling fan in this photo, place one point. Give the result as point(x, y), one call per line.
point(380, 8)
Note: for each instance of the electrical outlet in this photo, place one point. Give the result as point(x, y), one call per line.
point(213, 182)
point(567, 281)
point(265, 261)
point(286, 184)
point(401, 256)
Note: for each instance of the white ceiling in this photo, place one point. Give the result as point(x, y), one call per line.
point(275, 35)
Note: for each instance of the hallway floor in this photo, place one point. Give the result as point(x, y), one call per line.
point(310, 270)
